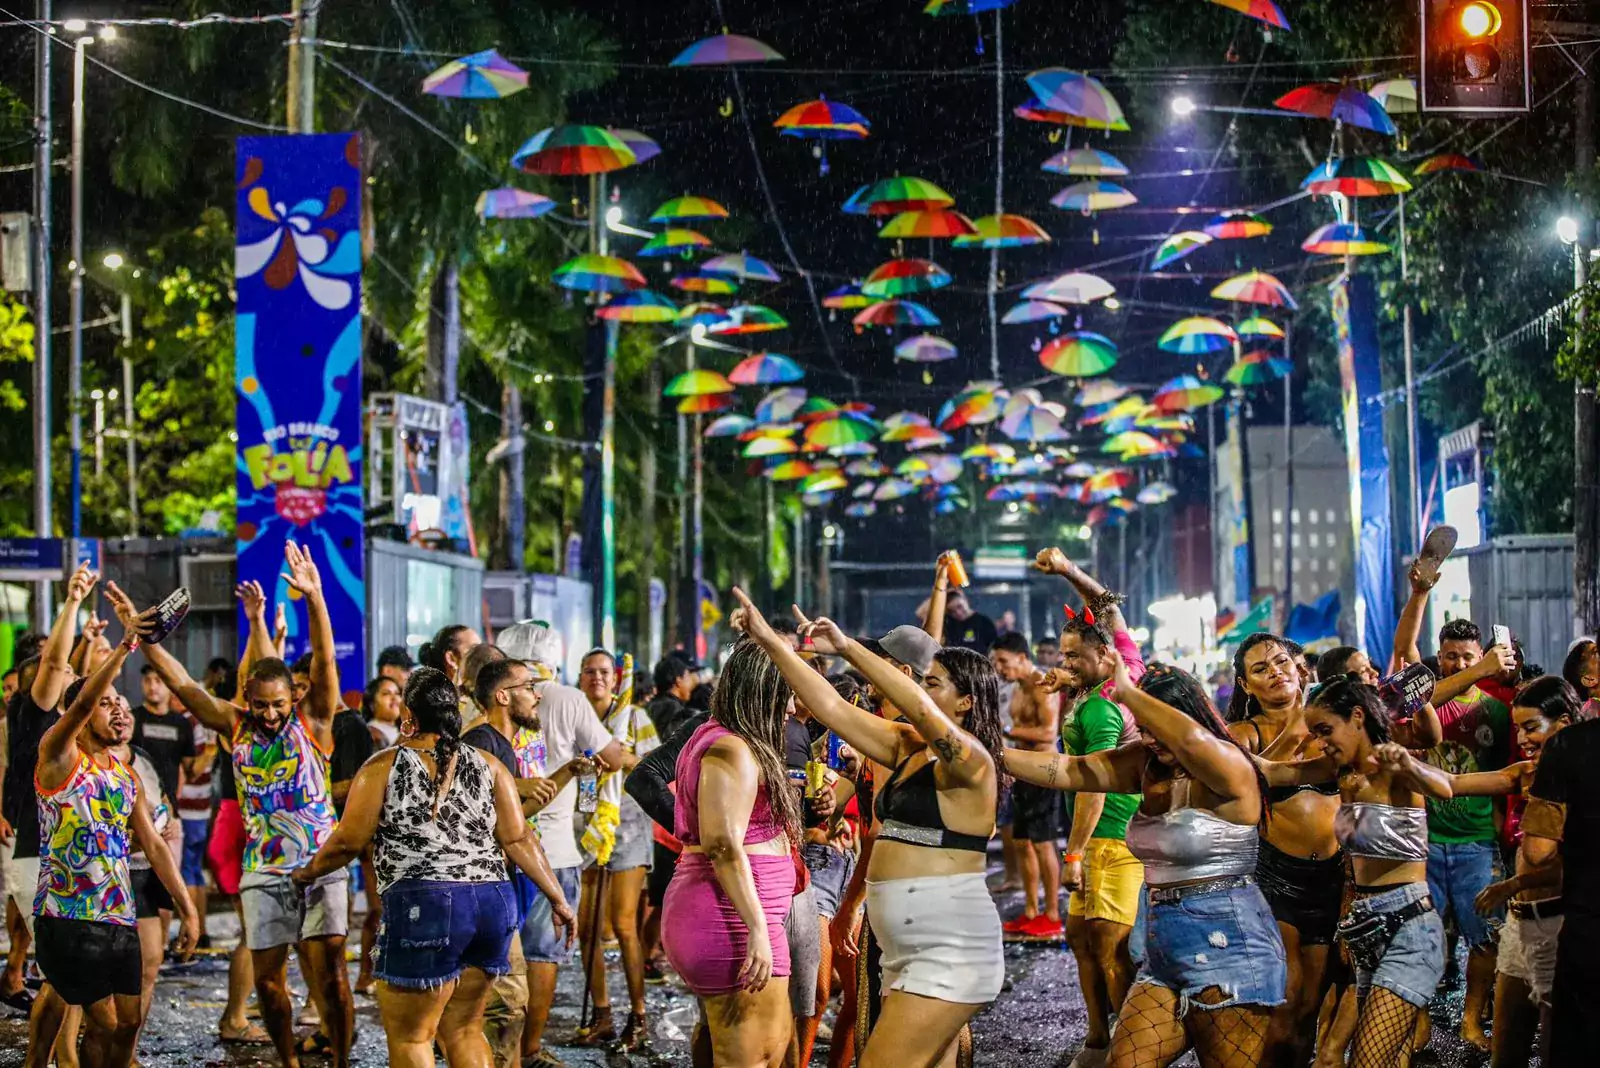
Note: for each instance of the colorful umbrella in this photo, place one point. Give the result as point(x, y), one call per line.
point(924, 348)
point(1343, 239)
point(740, 265)
point(861, 510)
point(791, 470)
point(780, 405)
point(823, 482)
point(1126, 407)
point(1033, 311)
point(1255, 287)
point(697, 383)
point(573, 150)
point(687, 208)
point(1258, 326)
point(816, 408)
point(673, 242)
point(511, 203)
point(1088, 162)
point(704, 404)
point(868, 468)
point(1356, 176)
point(1081, 354)
point(749, 319)
point(1178, 246)
point(1032, 423)
point(1260, 10)
point(1254, 368)
point(767, 445)
point(900, 277)
point(1238, 224)
point(1003, 231)
point(917, 437)
point(1342, 103)
point(642, 147)
point(855, 203)
point(1397, 96)
point(640, 306)
point(481, 76)
point(702, 313)
point(1448, 161)
point(904, 419)
point(893, 489)
point(990, 451)
point(896, 313)
point(824, 119)
point(855, 448)
point(1157, 493)
point(972, 407)
point(725, 49)
point(1135, 444)
point(593, 273)
point(929, 224)
point(765, 369)
point(1104, 391)
point(1083, 98)
point(1197, 335)
point(828, 433)
point(846, 298)
point(1092, 196)
point(1074, 287)
point(1185, 393)
point(729, 426)
point(711, 287)
point(891, 196)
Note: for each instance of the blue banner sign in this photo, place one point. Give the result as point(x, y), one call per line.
point(46, 558)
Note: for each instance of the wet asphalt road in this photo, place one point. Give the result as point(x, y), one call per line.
point(1037, 1023)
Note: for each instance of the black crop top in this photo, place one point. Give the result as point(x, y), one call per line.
point(908, 809)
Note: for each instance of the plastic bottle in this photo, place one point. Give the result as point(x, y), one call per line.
point(588, 788)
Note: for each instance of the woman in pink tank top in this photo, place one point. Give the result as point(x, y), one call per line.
point(722, 919)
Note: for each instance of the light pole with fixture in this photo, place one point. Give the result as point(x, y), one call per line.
point(113, 261)
point(1585, 442)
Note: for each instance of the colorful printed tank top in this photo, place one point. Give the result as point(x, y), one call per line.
point(284, 795)
point(529, 746)
point(83, 844)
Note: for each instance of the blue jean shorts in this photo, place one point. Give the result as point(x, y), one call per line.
point(196, 834)
point(830, 870)
point(1414, 962)
point(1225, 940)
point(433, 930)
point(542, 943)
point(1457, 873)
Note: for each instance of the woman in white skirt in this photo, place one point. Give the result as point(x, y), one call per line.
point(926, 897)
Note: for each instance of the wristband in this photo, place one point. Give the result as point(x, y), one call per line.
point(1071, 857)
point(130, 643)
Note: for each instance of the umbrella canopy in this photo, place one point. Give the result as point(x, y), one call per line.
point(1197, 335)
point(1342, 103)
point(896, 313)
point(697, 383)
point(1033, 311)
point(990, 451)
point(767, 445)
point(1185, 393)
point(707, 284)
point(740, 265)
point(1254, 368)
point(642, 147)
point(1397, 96)
point(861, 510)
point(510, 203)
point(1448, 161)
point(1104, 391)
point(1032, 423)
point(1343, 239)
point(846, 298)
point(891, 196)
point(1074, 287)
point(1356, 176)
point(929, 224)
point(1232, 225)
point(573, 150)
point(1261, 10)
point(1178, 246)
point(593, 273)
point(904, 419)
point(1093, 196)
point(673, 242)
point(729, 426)
point(924, 348)
point(900, 277)
point(749, 319)
point(1088, 102)
point(791, 470)
point(725, 49)
point(828, 433)
point(687, 208)
point(483, 75)
point(765, 369)
point(824, 119)
point(1003, 231)
point(1124, 408)
point(704, 404)
point(780, 405)
point(1087, 162)
point(1258, 326)
point(823, 482)
point(702, 313)
point(640, 306)
point(893, 489)
point(1134, 444)
point(1081, 354)
point(1157, 493)
point(1255, 287)
point(868, 468)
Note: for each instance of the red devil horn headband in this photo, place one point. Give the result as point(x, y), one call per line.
point(1088, 614)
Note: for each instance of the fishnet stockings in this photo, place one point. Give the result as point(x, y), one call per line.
point(1383, 1033)
point(1150, 1033)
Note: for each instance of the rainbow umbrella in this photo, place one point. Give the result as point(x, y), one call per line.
point(711, 287)
point(1093, 196)
point(855, 448)
point(1261, 10)
point(924, 348)
point(1341, 103)
point(1033, 311)
point(1087, 101)
point(990, 451)
point(640, 306)
point(1238, 224)
point(1087, 162)
point(593, 273)
point(831, 433)
point(1184, 394)
point(729, 426)
point(1081, 354)
point(893, 489)
point(687, 208)
point(1133, 444)
point(485, 75)
point(1104, 391)
point(642, 147)
point(1032, 423)
point(816, 408)
point(1258, 326)
point(861, 510)
point(704, 404)
point(1197, 335)
point(866, 468)
point(702, 313)
point(1003, 231)
point(904, 419)
point(1397, 96)
point(1157, 493)
point(768, 446)
point(971, 407)
point(780, 405)
point(1254, 368)
point(697, 383)
point(1113, 479)
point(749, 319)
point(846, 298)
point(900, 277)
point(1255, 287)
point(1074, 287)
point(824, 119)
point(1153, 418)
point(1448, 161)
point(1126, 407)
point(855, 203)
point(765, 369)
point(1356, 176)
point(891, 196)
point(915, 437)
point(1342, 239)
point(723, 50)
point(1178, 246)
point(673, 242)
point(511, 203)
point(791, 470)
point(929, 224)
point(896, 313)
point(771, 430)
point(740, 265)
point(573, 150)
point(817, 500)
point(823, 482)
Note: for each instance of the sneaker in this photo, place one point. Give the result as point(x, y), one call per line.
point(1019, 925)
point(1043, 927)
point(543, 1059)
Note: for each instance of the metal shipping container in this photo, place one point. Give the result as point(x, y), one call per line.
point(412, 592)
point(1525, 582)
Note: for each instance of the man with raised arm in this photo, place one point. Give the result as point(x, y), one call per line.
point(280, 758)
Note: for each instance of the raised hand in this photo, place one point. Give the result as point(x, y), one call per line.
point(81, 585)
point(1052, 561)
point(134, 622)
point(249, 594)
point(95, 628)
point(823, 633)
point(280, 625)
point(748, 620)
point(302, 575)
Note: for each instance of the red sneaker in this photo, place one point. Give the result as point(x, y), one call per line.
point(1043, 927)
point(1018, 925)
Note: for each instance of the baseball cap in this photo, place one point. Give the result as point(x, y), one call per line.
point(912, 646)
point(533, 642)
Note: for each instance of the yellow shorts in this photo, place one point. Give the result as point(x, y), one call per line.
point(1112, 881)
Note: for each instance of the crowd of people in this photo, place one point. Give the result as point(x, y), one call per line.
point(1280, 883)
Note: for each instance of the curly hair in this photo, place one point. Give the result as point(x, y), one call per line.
point(973, 675)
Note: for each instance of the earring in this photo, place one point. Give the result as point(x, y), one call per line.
point(408, 727)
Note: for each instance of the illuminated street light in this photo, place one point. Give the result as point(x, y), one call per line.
point(1567, 230)
point(113, 261)
point(75, 26)
point(1184, 106)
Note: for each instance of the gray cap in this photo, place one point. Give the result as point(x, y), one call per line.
point(912, 646)
point(532, 641)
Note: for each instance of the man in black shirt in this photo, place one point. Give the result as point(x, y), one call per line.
point(675, 681)
point(966, 628)
point(164, 733)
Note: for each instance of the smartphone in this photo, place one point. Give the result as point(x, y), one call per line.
point(1501, 635)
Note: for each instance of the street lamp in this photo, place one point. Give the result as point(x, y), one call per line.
point(112, 261)
point(1567, 230)
point(115, 262)
point(1183, 106)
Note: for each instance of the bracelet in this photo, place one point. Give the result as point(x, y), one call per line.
point(130, 643)
point(1071, 858)
point(1100, 602)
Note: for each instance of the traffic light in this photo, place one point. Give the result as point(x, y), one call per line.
point(1474, 56)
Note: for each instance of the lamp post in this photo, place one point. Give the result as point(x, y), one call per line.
point(1585, 444)
point(113, 261)
point(75, 290)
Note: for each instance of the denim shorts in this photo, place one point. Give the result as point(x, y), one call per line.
point(541, 942)
point(432, 930)
point(196, 833)
point(1414, 962)
point(830, 870)
point(1222, 939)
point(1457, 873)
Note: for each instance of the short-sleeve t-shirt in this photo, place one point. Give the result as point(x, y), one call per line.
point(168, 738)
point(1477, 732)
point(486, 739)
point(569, 727)
point(1095, 726)
point(352, 745)
point(1567, 776)
point(26, 724)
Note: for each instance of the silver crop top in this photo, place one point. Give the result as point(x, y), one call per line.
point(1186, 844)
point(1384, 832)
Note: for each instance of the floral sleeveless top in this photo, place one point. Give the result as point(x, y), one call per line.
point(284, 795)
point(529, 746)
point(83, 844)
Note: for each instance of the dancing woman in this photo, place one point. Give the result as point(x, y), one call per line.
point(926, 896)
point(1215, 968)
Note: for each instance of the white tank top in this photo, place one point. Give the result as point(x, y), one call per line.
point(457, 847)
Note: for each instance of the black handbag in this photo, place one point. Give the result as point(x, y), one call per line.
point(1368, 937)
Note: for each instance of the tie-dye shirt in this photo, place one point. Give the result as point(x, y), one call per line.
point(83, 844)
point(528, 744)
point(284, 794)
